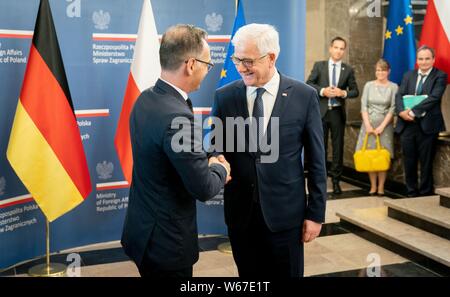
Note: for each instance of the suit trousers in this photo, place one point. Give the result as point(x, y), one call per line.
point(333, 121)
point(418, 147)
point(261, 253)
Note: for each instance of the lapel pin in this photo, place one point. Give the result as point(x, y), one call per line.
point(284, 94)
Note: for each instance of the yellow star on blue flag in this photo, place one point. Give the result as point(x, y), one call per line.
point(399, 44)
point(229, 72)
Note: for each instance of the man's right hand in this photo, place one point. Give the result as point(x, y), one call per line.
point(220, 159)
point(405, 115)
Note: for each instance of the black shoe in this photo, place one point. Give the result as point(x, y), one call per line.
point(336, 188)
point(372, 193)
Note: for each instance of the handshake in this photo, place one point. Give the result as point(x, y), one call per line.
point(220, 159)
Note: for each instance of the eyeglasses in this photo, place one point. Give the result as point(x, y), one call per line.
point(208, 64)
point(246, 62)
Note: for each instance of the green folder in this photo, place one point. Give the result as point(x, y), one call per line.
point(410, 101)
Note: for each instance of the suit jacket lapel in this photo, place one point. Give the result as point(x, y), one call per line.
point(242, 110)
point(280, 105)
point(412, 86)
point(342, 75)
point(241, 100)
point(170, 90)
point(428, 82)
point(327, 71)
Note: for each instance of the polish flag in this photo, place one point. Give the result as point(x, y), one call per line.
point(436, 32)
point(144, 72)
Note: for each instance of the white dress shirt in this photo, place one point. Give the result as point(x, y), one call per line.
point(423, 73)
point(411, 113)
point(268, 97)
point(330, 76)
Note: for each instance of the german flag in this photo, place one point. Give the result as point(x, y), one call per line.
point(45, 148)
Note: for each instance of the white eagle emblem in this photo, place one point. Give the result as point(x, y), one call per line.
point(213, 22)
point(2, 185)
point(101, 19)
point(104, 170)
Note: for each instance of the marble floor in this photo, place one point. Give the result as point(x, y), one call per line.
point(336, 252)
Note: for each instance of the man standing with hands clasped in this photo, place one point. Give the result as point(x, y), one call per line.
point(419, 127)
point(335, 83)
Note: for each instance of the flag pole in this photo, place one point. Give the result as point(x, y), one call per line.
point(225, 247)
point(48, 269)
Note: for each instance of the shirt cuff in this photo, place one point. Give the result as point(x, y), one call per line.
point(321, 92)
point(345, 94)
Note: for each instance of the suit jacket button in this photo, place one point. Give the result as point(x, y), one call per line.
point(258, 160)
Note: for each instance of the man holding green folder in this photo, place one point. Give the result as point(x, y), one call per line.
point(418, 106)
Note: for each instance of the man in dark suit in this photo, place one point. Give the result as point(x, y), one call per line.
point(267, 211)
point(419, 127)
point(335, 82)
point(170, 169)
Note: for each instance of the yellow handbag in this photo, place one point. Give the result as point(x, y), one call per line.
point(378, 159)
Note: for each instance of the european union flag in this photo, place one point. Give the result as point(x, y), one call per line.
point(229, 72)
point(211, 217)
point(399, 43)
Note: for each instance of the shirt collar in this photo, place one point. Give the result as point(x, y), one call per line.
point(182, 93)
point(331, 62)
point(426, 73)
point(271, 86)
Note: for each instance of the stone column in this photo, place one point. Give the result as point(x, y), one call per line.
point(350, 19)
point(316, 49)
point(445, 107)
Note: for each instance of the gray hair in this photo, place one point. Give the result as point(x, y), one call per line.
point(265, 37)
point(178, 43)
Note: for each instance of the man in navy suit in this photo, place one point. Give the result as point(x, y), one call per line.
point(267, 211)
point(171, 170)
point(335, 83)
point(419, 127)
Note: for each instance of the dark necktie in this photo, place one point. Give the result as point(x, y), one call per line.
point(189, 103)
point(258, 115)
point(420, 85)
point(333, 101)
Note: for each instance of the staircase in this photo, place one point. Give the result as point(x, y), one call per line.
point(415, 228)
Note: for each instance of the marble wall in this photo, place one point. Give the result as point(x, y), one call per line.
point(445, 107)
point(348, 19)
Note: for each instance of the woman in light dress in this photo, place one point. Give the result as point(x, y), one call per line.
point(377, 111)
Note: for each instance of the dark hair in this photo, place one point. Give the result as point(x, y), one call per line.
point(425, 47)
point(178, 43)
point(338, 38)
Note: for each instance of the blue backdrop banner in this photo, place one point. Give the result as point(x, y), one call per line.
point(96, 39)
